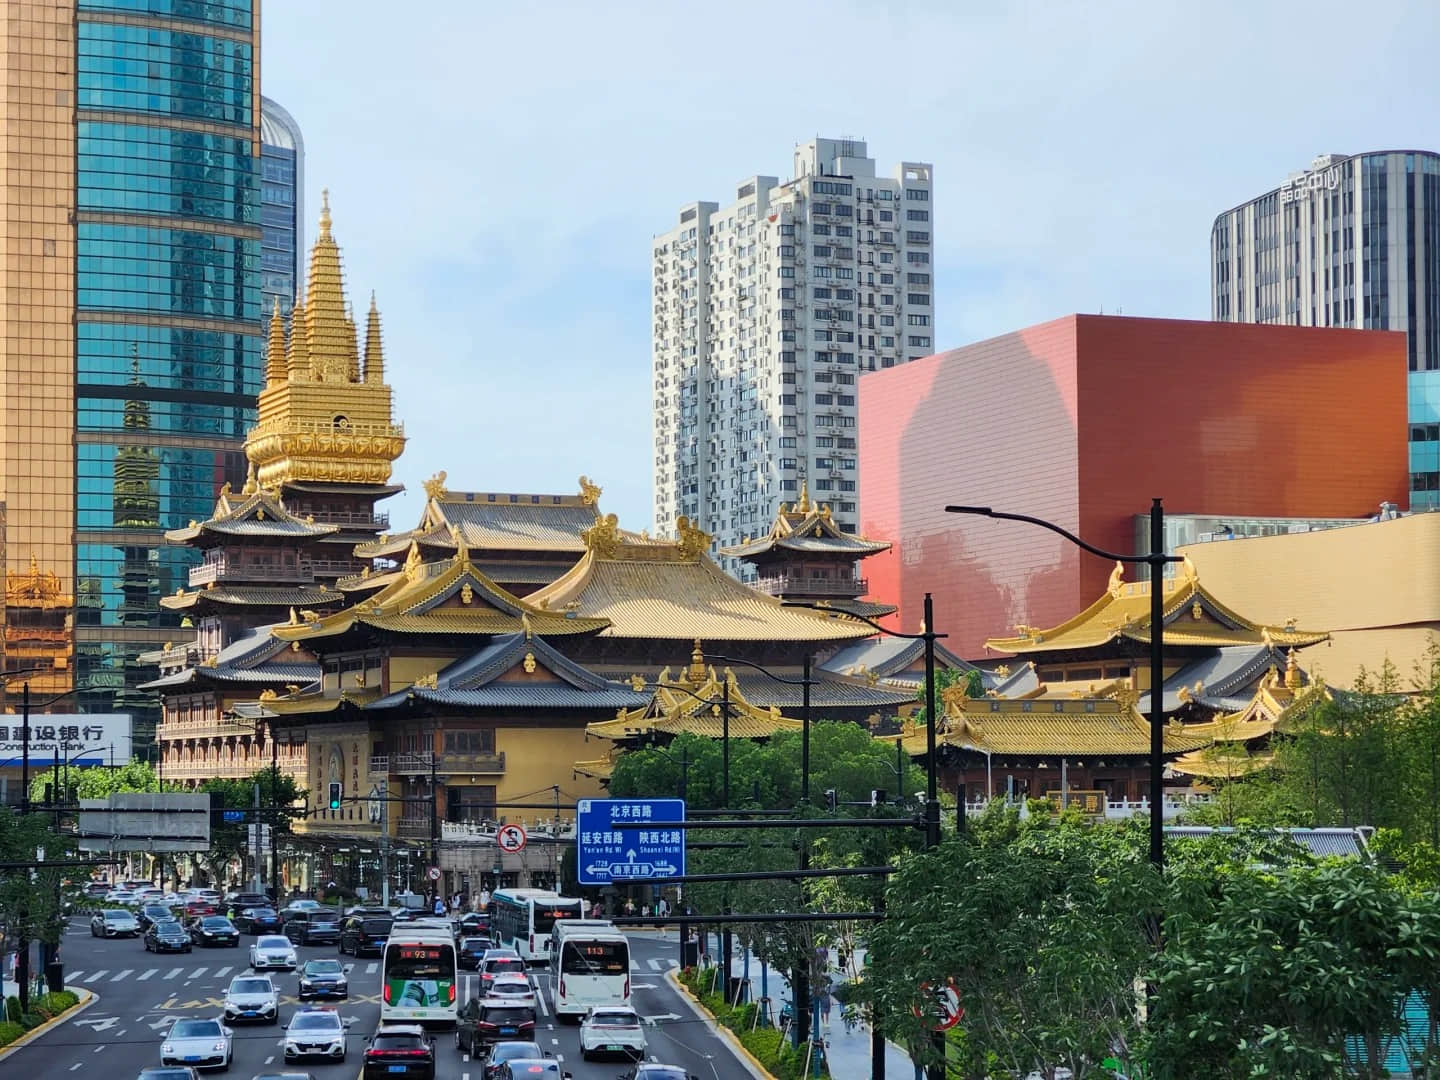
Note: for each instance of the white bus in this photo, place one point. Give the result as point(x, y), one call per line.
point(524, 918)
point(418, 978)
point(590, 966)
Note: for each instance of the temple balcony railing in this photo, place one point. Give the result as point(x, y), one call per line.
point(800, 585)
point(341, 567)
point(347, 517)
point(446, 764)
point(185, 656)
point(218, 568)
point(415, 828)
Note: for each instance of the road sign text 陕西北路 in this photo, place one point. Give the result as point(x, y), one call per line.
point(607, 853)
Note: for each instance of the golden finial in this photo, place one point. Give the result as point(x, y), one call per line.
point(589, 493)
point(693, 540)
point(637, 682)
point(275, 366)
point(1117, 580)
point(414, 565)
point(603, 538)
point(1002, 670)
point(297, 350)
point(525, 625)
point(294, 619)
point(696, 673)
point(1192, 576)
point(225, 489)
point(250, 486)
point(435, 486)
point(260, 514)
point(802, 506)
point(1292, 670)
point(325, 213)
point(374, 346)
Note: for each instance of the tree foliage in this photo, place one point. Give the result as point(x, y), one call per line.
point(31, 899)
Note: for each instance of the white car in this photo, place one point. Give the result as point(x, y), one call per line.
point(273, 951)
point(252, 997)
point(612, 1030)
point(515, 989)
point(315, 1033)
point(200, 1044)
point(120, 896)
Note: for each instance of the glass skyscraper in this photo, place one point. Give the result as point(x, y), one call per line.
point(1353, 241)
point(282, 205)
point(131, 313)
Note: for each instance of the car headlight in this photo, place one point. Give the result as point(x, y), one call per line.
point(305, 984)
point(167, 1049)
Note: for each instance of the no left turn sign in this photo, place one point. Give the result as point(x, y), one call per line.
point(510, 838)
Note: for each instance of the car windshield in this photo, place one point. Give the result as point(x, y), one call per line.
point(251, 986)
point(523, 1067)
point(505, 1014)
point(164, 1074)
point(156, 909)
point(315, 1022)
point(323, 967)
point(615, 1018)
point(216, 922)
point(262, 913)
point(324, 917)
point(397, 1042)
point(195, 1029)
point(495, 967)
point(271, 941)
point(117, 915)
point(511, 1051)
point(376, 926)
point(660, 1072)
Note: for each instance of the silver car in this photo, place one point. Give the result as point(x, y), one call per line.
point(201, 1044)
point(114, 923)
point(273, 951)
point(252, 997)
point(315, 1033)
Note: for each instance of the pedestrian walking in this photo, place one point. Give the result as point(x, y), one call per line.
point(826, 1001)
point(630, 906)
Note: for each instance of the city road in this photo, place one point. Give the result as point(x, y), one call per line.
point(142, 994)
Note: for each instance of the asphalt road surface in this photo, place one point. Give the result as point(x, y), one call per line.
point(142, 994)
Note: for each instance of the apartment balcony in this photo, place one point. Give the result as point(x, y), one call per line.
point(444, 764)
point(217, 568)
point(799, 585)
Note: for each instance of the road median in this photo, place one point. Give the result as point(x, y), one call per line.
point(19, 1029)
point(762, 1050)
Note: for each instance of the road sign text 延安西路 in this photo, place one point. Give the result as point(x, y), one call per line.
point(607, 853)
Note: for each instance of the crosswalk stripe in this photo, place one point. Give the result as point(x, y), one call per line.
point(142, 978)
point(222, 972)
point(195, 974)
point(654, 964)
point(74, 976)
point(370, 969)
point(173, 972)
point(127, 971)
point(96, 974)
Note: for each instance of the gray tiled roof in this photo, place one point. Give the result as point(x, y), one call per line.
point(888, 655)
point(1228, 669)
point(824, 693)
point(1333, 841)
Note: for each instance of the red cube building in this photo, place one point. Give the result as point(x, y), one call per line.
point(1082, 421)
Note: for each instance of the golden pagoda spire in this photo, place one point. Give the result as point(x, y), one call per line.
point(354, 343)
point(1292, 671)
point(696, 673)
point(275, 362)
point(374, 348)
point(297, 355)
point(803, 506)
point(330, 334)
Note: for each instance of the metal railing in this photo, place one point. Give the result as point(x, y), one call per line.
point(219, 569)
point(417, 764)
point(347, 517)
point(799, 585)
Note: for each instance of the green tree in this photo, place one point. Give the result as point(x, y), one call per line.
point(276, 790)
point(96, 782)
point(32, 898)
point(945, 678)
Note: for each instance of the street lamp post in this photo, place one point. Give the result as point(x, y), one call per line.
point(1155, 559)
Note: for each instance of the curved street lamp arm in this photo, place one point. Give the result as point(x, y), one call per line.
point(985, 511)
point(763, 671)
point(858, 618)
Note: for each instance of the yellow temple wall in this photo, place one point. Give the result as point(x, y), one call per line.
point(537, 757)
point(1375, 587)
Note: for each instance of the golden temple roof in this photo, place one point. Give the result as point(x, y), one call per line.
point(493, 521)
point(807, 527)
point(1042, 727)
point(324, 417)
point(448, 597)
point(1277, 701)
point(1193, 616)
point(693, 703)
point(36, 588)
point(670, 589)
point(1208, 765)
point(253, 513)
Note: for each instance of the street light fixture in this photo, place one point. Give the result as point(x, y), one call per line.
point(1155, 559)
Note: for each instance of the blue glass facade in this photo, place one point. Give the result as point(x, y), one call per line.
point(282, 162)
point(169, 339)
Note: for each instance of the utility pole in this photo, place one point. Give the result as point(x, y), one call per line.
point(434, 823)
point(385, 843)
point(274, 814)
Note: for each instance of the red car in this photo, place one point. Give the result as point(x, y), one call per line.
point(199, 907)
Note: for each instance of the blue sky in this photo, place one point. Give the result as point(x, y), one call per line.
point(497, 172)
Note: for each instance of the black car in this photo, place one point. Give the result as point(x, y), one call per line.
point(472, 951)
point(399, 1050)
point(649, 1070)
point(487, 1020)
point(312, 927)
point(150, 914)
point(472, 924)
point(167, 935)
point(323, 979)
point(362, 933)
point(503, 1052)
point(240, 900)
point(532, 1069)
point(214, 930)
point(258, 920)
point(168, 1072)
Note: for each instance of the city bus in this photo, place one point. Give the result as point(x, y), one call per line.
point(418, 978)
point(589, 966)
point(524, 918)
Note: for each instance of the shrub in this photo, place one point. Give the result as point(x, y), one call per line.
point(9, 1032)
point(30, 1020)
point(12, 1009)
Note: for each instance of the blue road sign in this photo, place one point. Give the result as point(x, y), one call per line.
point(233, 817)
point(608, 854)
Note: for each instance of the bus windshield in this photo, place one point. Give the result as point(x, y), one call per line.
point(595, 958)
point(547, 912)
point(423, 961)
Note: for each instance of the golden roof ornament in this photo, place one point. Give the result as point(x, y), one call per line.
point(268, 694)
point(225, 488)
point(250, 486)
point(693, 540)
point(429, 682)
point(529, 663)
point(374, 348)
point(1290, 623)
point(589, 493)
point(637, 682)
point(1192, 575)
point(525, 625)
point(1197, 610)
point(414, 566)
point(1265, 638)
point(467, 594)
point(802, 505)
point(1002, 670)
point(1292, 671)
point(364, 571)
point(696, 674)
point(435, 486)
point(603, 538)
point(1183, 694)
point(1117, 581)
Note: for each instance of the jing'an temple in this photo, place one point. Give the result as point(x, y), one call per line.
point(510, 647)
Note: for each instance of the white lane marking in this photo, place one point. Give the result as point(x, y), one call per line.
point(173, 972)
point(654, 964)
point(555, 1041)
point(540, 1000)
point(127, 971)
point(96, 974)
point(195, 974)
point(74, 976)
point(221, 972)
point(76, 1065)
point(371, 969)
point(98, 1049)
point(269, 1059)
point(147, 975)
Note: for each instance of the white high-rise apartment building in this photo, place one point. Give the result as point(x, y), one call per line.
point(765, 314)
